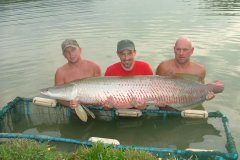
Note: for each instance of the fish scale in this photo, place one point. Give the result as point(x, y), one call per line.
point(129, 91)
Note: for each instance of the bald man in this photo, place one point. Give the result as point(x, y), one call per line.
point(182, 65)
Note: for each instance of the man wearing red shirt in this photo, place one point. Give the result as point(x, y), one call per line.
point(128, 66)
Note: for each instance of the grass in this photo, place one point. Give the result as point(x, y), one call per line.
point(26, 149)
point(98, 151)
point(23, 149)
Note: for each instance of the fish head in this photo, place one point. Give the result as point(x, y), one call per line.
point(218, 86)
point(62, 92)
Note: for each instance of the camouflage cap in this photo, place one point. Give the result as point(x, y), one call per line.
point(69, 43)
point(125, 45)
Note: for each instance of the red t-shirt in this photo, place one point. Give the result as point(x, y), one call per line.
point(139, 68)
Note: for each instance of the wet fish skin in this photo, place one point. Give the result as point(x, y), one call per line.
point(126, 92)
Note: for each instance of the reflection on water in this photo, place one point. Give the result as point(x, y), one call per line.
point(172, 132)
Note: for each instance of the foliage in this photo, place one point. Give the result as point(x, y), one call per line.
point(27, 149)
point(22, 149)
point(99, 151)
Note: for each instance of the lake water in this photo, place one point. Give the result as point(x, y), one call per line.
point(31, 33)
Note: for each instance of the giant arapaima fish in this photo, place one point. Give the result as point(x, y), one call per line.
point(130, 91)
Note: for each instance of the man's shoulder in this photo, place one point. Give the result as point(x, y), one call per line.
point(60, 75)
point(91, 67)
point(89, 63)
point(113, 69)
point(166, 67)
point(62, 68)
point(197, 66)
point(167, 63)
point(199, 70)
point(142, 68)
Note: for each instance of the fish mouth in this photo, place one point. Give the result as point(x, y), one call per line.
point(44, 91)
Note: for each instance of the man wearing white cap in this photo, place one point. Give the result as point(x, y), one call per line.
point(75, 68)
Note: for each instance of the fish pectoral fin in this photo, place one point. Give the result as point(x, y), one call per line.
point(89, 112)
point(81, 113)
point(108, 103)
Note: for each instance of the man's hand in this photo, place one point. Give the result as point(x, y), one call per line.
point(73, 104)
point(107, 107)
point(141, 107)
